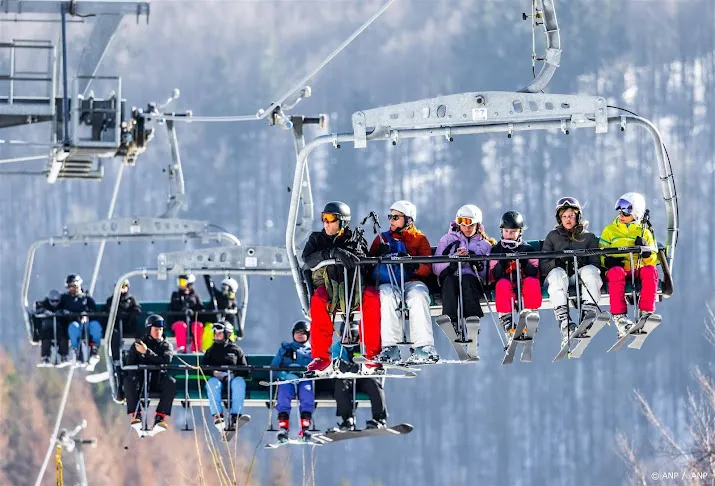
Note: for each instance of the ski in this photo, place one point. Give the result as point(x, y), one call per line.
point(601, 320)
point(329, 437)
point(532, 325)
point(97, 377)
point(651, 323)
point(340, 376)
point(635, 330)
point(472, 325)
point(516, 338)
point(228, 434)
point(445, 324)
point(578, 335)
point(399, 365)
point(295, 442)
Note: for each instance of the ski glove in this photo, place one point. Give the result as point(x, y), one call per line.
point(530, 270)
point(479, 265)
point(498, 270)
point(611, 262)
point(641, 242)
point(347, 259)
point(383, 249)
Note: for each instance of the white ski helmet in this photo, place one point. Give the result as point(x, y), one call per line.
point(232, 284)
point(470, 211)
point(406, 208)
point(632, 203)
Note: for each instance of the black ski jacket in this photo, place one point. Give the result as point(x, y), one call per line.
point(180, 301)
point(128, 305)
point(224, 303)
point(559, 239)
point(157, 353)
point(318, 247)
point(78, 303)
point(226, 353)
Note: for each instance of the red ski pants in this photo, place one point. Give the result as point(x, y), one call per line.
point(616, 277)
point(506, 295)
point(180, 332)
point(321, 326)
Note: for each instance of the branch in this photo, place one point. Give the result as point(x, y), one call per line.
point(648, 412)
point(628, 456)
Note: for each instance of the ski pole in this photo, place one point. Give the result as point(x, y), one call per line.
point(460, 310)
point(482, 287)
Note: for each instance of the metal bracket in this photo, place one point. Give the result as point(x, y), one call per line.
point(490, 107)
point(623, 123)
point(134, 227)
point(270, 260)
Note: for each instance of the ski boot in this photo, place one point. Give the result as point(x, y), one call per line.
point(64, 360)
point(346, 425)
point(284, 426)
point(136, 423)
point(319, 367)
point(376, 424)
point(93, 357)
point(623, 324)
point(508, 325)
point(219, 423)
point(304, 429)
point(389, 354)
point(160, 424)
point(566, 325)
point(423, 354)
point(44, 362)
point(589, 310)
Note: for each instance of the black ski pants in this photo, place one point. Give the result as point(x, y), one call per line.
point(47, 335)
point(158, 383)
point(471, 293)
point(344, 397)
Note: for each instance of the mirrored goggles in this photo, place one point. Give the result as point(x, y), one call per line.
point(54, 302)
point(329, 217)
point(464, 221)
point(568, 201)
point(624, 207)
point(183, 282)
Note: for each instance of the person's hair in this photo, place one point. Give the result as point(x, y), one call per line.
point(483, 233)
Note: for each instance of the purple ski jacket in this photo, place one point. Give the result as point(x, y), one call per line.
point(453, 240)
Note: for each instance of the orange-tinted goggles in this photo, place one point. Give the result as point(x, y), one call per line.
point(329, 217)
point(465, 221)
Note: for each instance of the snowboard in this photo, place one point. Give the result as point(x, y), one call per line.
point(598, 321)
point(400, 365)
point(329, 437)
point(97, 377)
point(532, 325)
point(640, 331)
point(445, 324)
point(295, 442)
point(240, 422)
point(517, 338)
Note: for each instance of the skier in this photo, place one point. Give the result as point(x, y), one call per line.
point(628, 230)
point(227, 307)
point(403, 239)
point(343, 393)
point(571, 233)
point(151, 349)
point(127, 311)
point(185, 300)
point(504, 272)
point(47, 311)
point(294, 353)
point(221, 353)
point(77, 301)
point(346, 246)
point(466, 236)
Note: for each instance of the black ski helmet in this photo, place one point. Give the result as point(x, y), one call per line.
point(154, 320)
point(73, 279)
point(512, 220)
point(301, 325)
point(54, 297)
point(341, 210)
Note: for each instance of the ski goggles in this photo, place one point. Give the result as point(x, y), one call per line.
point(329, 217)
point(393, 217)
point(568, 202)
point(184, 282)
point(625, 207)
point(54, 303)
point(158, 323)
point(464, 221)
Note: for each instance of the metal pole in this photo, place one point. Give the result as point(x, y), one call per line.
point(65, 89)
point(103, 243)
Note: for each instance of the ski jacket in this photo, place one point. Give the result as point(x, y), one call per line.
point(455, 239)
point(416, 244)
point(78, 303)
point(224, 303)
point(507, 268)
point(292, 353)
point(560, 239)
point(181, 301)
point(157, 353)
point(226, 353)
point(128, 305)
point(620, 234)
point(44, 307)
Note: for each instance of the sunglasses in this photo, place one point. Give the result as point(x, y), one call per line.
point(461, 221)
point(393, 217)
point(329, 217)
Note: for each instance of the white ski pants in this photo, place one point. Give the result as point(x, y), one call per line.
point(417, 300)
point(558, 285)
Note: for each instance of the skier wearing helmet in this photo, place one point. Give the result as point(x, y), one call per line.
point(338, 241)
point(571, 233)
point(223, 352)
point(403, 239)
point(466, 237)
point(51, 328)
point(294, 353)
point(227, 309)
point(504, 272)
point(183, 302)
point(628, 230)
point(78, 303)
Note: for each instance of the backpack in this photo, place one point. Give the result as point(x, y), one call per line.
point(380, 273)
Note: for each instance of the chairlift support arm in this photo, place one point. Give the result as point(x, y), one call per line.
point(552, 59)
